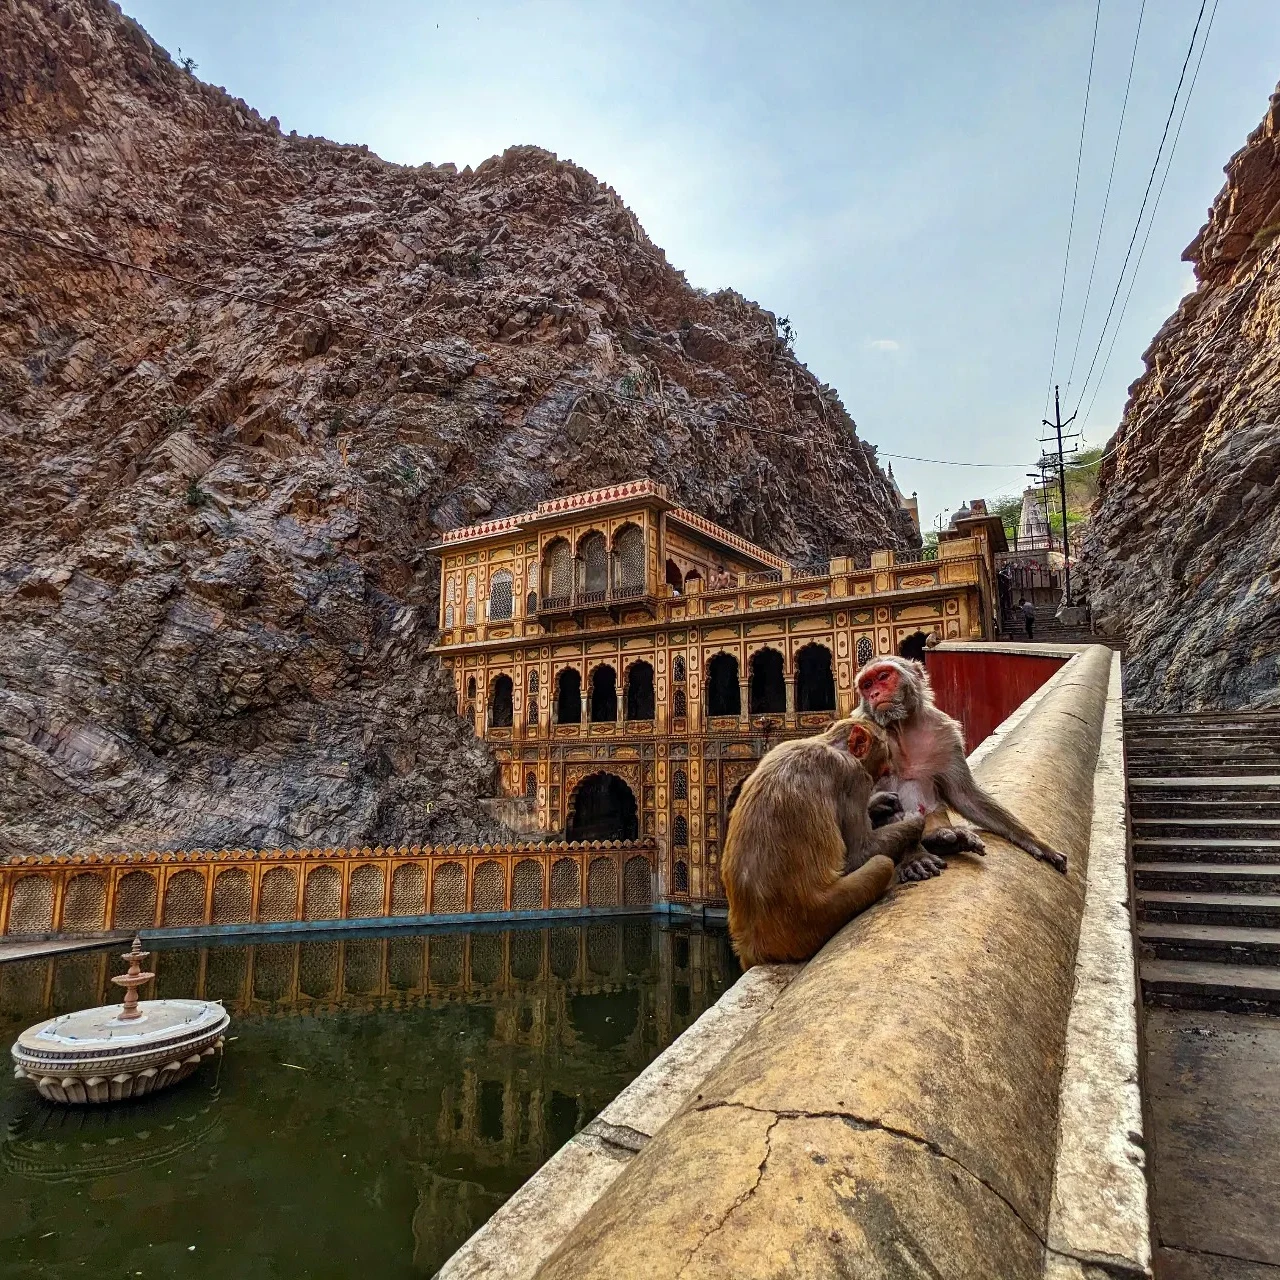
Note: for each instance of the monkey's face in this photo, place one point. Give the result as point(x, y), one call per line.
point(884, 691)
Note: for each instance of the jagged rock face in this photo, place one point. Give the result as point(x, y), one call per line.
point(1183, 553)
point(216, 600)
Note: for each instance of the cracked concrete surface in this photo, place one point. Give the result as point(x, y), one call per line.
point(895, 1113)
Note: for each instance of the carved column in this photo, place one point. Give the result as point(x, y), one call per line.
point(791, 700)
point(744, 706)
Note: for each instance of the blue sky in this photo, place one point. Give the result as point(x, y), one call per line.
point(896, 179)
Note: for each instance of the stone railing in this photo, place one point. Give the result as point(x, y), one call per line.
point(949, 1088)
point(203, 889)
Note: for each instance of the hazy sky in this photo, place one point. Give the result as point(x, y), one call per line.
point(895, 178)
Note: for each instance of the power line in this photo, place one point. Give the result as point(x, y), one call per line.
point(1106, 199)
point(1133, 279)
point(1075, 193)
point(1137, 226)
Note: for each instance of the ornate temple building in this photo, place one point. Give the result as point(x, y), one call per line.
point(629, 661)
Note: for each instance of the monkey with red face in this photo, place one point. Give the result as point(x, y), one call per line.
point(801, 857)
point(929, 772)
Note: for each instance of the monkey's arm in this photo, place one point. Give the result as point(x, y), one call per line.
point(963, 794)
point(884, 807)
point(896, 839)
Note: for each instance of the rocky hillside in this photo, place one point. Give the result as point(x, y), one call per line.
point(1184, 549)
point(219, 476)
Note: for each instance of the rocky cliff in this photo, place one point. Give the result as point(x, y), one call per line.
point(1183, 554)
point(246, 379)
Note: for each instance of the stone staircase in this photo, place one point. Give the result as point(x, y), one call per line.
point(1204, 796)
point(1050, 631)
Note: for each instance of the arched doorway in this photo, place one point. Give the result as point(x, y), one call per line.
point(675, 579)
point(724, 697)
point(501, 712)
point(914, 646)
point(815, 685)
point(569, 697)
point(604, 808)
point(604, 694)
point(768, 691)
point(640, 691)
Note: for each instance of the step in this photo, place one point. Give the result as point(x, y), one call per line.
point(1191, 773)
point(1265, 782)
point(1216, 943)
point(1148, 807)
point(1208, 877)
point(1251, 910)
point(1195, 984)
point(1216, 828)
point(1164, 849)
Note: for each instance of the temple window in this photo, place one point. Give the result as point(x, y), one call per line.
point(501, 604)
point(531, 603)
point(680, 705)
point(533, 682)
point(680, 832)
point(628, 550)
point(815, 685)
point(500, 711)
point(594, 554)
point(680, 878)
point(675, 579)
point(557, 573)
point(640, 691)
point(680, 785)
point(768, 693)
point(677, 670)
point(471, 687)
point(569, 697)
point(604, 694)
point(531, 785)
point(448, 616)
point(471, 599)
point(865, 651)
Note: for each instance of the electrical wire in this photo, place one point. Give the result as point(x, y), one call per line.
point(1146, 195)
point(1137, 266)
point(1106, 199)
point(1075, 194)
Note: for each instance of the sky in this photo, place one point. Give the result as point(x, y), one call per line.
point(897, 179)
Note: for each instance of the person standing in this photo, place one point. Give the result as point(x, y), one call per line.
point(1028, 616)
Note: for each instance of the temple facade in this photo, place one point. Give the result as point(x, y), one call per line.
point(629, 661)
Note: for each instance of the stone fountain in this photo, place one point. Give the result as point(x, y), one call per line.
point(120, 1051)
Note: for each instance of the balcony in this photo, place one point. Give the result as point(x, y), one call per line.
point(553, 608)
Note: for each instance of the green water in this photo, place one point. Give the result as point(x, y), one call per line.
point(380, 1097)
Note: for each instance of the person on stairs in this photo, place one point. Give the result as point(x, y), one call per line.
point(1028, 616)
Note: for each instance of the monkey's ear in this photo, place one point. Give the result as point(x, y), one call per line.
point(860, 740)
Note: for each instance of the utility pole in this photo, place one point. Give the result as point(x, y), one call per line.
point(1057, 424)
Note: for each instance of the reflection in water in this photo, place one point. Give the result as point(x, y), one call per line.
point(379, 1098)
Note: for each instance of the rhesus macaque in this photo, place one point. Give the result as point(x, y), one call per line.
point(929, 772)
point(801, 857)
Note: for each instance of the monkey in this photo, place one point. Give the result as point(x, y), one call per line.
point(929, 771)
point(801, 857)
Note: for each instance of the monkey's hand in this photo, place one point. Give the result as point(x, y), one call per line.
point(1058, 861)
point(921, 867)
point(883, 807)
point(960, 838)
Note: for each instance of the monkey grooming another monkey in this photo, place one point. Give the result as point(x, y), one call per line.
point(929, 771)
point(801, 858)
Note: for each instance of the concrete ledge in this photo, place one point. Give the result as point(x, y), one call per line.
point(896, 1112)
point(526, 1229)
point(1099, 1220)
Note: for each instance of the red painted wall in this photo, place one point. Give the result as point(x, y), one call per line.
point(980, 688)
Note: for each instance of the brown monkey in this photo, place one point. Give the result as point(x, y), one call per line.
point(929, 771)
point(801, 857)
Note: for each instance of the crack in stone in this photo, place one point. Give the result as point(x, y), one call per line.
point(1213, 1253)
point(1112, 1267)
point(861, 1122)
point(739, 1200)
